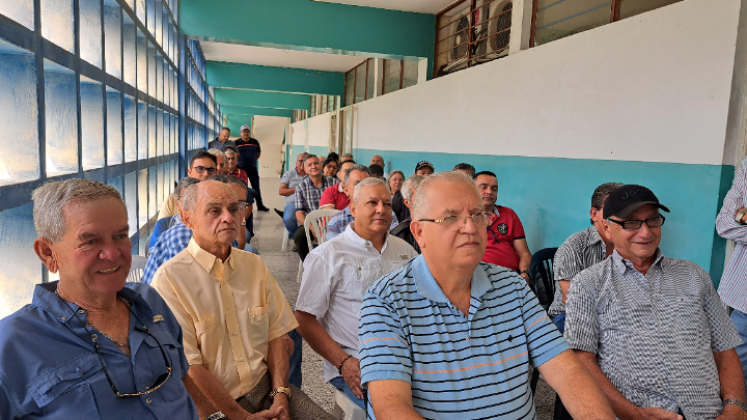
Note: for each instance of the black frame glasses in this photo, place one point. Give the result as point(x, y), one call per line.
point(201, 169)
point(652, 222)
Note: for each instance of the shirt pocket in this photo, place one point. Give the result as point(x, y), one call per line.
point(259, 328)
point(66, 386)
point(172, 389)
point(209, 339)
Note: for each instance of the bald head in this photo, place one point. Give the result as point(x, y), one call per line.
point(377, 160)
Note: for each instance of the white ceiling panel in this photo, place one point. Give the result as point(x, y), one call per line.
point(418, 6)
point(216, 51)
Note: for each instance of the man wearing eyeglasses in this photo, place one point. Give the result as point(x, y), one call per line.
point(233, 314)
point(88, 346)
point(449, 337)
point(651, 329)
point(202, 166)
point(507, 243)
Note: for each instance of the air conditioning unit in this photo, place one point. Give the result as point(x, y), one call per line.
point(458, 43)
point(498, 31)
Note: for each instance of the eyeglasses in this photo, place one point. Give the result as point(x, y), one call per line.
point(201, 169)
point(636, 224)
point(236, 209)
point(480, 220)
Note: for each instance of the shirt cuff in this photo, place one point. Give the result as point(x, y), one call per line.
point(285, 329)
point(551, 353)
point(383, 375)
point(309, 310)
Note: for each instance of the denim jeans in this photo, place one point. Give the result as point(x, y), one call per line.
point(289, 218)
point(559, 322)
point(340, 384)
point(295, 376)
point(739, 319)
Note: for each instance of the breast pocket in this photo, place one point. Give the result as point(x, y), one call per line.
point(56, 391)
point(208, 338)
point(172, 389)
point(259, 327)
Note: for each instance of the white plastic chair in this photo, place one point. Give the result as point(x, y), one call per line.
point(136, 269)
point(286, 236)
point(346, 409)
point(317, 221)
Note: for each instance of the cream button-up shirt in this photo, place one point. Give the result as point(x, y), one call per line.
point(229, 312)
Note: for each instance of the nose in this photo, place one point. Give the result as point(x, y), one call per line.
point(644, 231)
point(469, 225)
point(110, 252)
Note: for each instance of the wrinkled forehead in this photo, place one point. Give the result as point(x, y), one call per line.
point(214, 191)
point(452, 197)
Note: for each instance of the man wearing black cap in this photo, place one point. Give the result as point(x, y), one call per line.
point(249, 153)
point(652, 329)
point(424, 168)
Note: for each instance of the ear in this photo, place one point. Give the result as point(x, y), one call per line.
point(416, 228)
point(593, 213)
point(186, 218)
point(44, 250)
point(606, 225)
point(352, 209)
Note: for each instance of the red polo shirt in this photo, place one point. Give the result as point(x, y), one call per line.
point(333, 195)
point(506, 227)
point(238, 173)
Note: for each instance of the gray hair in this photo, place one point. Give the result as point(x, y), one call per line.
point(228, 179)
point(368, 182)
point(189, 197)
point(396, 171)
point(309, 156)
point(420, 204)
point(182, 184)
point(356, 167)
point(51, 198)
point(346, 155)
point(217, 152)
point(410, 184)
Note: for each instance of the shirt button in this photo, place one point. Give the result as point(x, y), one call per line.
point(241, 359)
point(81, 311)
point(148, 401)
point(228, 307)
point(235, 334)
point(63, 318)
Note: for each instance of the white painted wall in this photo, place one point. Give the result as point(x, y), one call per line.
point(270, 131)
point(655, 87)
point(313, 131)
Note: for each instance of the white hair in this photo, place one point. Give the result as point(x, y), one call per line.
point(420, 204)
point(368, 182)
point(217, 152)
point(410, 184)
point(51, 198)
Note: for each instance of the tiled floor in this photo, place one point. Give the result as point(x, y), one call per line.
point(269, 229)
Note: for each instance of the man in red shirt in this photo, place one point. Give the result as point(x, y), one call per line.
point(232, 160)
point(507, 245)
point(334, 197)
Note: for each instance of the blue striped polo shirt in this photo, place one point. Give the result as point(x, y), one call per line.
point(459, 367)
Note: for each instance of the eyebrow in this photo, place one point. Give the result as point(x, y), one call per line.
point(90, 235)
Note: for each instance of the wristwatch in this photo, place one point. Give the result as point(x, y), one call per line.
point(738, 403)
point(276, 391)
point(217, 416)
point(740, 214)
point(527, 273)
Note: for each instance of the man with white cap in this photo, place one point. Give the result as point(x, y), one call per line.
point(249, 153)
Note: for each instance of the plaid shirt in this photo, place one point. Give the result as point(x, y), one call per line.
point(340, 221)
point(733, 286)
point(308, 196)
point(171, 242)
point(654, 335)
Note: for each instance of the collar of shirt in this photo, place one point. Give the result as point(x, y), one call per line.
point(429, 288)
point(236, 171)
point(363, 243)
point(207, 260)
point(46, 299)
point(339, 189)
point(620, 264)
point(594, 237)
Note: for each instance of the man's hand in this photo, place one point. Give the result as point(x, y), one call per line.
point(351, 373)
point(282, 403)
point(270, 414)
point(526, 278)
point(744, 216)
point(651, 413)
point(732, 412)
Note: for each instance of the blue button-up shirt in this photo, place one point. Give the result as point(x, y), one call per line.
point(49, 369)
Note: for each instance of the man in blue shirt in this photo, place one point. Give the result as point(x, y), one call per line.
point(88, 347)
point(449, 337)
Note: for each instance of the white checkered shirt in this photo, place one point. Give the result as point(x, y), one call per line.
point(654, 335)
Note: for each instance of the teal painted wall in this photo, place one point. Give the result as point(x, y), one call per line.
point(311, 26)
point(234, 122)
point(552, 196)
point(240, 97)
point(279, 79)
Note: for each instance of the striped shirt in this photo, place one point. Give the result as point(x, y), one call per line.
point(733, 286)
point(459, 367)
point(654, 335)
point(579, 252)
point(308, 195)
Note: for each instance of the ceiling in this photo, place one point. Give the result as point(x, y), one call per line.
point(418, 6)
point(216, 51)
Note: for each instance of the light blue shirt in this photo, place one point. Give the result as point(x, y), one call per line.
point(49, 369)
point(459, 367)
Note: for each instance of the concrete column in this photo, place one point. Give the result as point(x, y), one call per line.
point(521, 26)
point(422, 70)
point(378, 73)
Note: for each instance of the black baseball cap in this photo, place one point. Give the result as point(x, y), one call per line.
point(625, 200)
point(424, 164)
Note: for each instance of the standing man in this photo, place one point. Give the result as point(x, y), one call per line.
point(329, 301)
point(731, 223)
point(448, 337)
point(308, 194)
point(507, 245)
point(651, 329)
point(579, 252)
point(249, 153)
point(221, 142)
point(288, 184)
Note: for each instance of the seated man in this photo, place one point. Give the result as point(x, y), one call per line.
point(579, 252)
point(448, 337)
point(88, 341)
point(402, 230)
point(334, 197)
point(340, 221)
point(378, 160)
point(308, 194)
point(167, 222)
point(376, 171)
point(507, 245)
point(220, 157)
point(233, 313)
point(330, 297)
point(651, 329)
point(465, 168)
point(424, 168)
point(202, 166)
point(288, 184)
point(232, 161)
point(346, 157)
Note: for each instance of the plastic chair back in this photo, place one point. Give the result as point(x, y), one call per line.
point(318, 221)
point(136, 269)
point(541, 271)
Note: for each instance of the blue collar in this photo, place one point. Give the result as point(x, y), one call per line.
point(429, 288)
